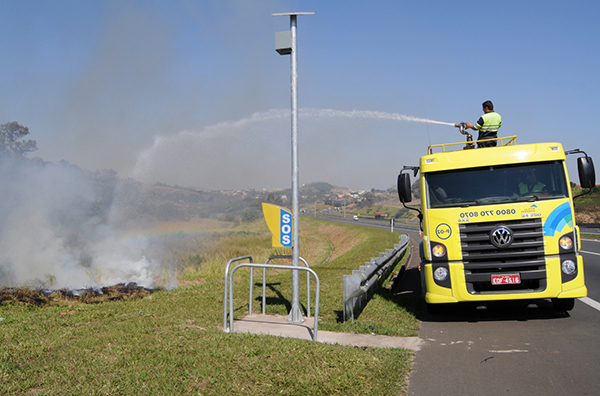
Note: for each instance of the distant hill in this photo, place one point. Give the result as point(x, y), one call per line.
point(164, 202)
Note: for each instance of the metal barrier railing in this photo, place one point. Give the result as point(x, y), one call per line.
point(265, 266)
point(504, 141)
point(357, 285)
point(233, 260)
point(263, 285)
point(264, 303)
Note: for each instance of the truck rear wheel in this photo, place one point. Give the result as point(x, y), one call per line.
point(563, 304)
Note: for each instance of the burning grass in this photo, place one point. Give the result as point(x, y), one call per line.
point(44, 297)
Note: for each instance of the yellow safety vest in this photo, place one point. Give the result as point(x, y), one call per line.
point(492, 121)
point(524, 188)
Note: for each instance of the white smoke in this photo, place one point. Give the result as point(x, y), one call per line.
point(61, 229)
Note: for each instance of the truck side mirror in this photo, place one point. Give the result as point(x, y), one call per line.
point(587, 174)
point(404, 191)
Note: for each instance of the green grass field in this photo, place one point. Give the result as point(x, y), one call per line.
point(171, 342)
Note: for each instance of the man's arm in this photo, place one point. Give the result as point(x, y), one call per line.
point(477, 126)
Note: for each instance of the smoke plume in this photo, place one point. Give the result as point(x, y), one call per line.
point(64, 227)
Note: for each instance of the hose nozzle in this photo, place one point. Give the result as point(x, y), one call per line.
point(462, 127)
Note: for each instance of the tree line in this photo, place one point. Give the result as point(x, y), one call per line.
point(12, 139)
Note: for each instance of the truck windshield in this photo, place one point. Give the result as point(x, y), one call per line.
point(496, 184)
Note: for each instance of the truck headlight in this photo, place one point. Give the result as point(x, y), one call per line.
point(440, 274)
point(438, 250)
point(566, 242)
point(568, 267)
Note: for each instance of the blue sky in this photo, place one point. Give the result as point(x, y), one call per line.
point(193, 93)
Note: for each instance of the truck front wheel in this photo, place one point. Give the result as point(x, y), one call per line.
point(563, 304)
point(436, 309)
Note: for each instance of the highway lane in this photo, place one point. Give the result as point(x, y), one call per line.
point(516, 348)
point(590, 249)
point(590, 229)
point(399, 226)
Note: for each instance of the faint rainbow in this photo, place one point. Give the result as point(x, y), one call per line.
point(143, 236)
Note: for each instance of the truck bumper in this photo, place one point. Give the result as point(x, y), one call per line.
point(460, 292)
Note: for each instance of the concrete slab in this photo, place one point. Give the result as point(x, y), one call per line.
point(277, 325)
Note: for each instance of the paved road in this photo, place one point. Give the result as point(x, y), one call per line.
point(520, 348)
point(399, 226)
point(590, 229)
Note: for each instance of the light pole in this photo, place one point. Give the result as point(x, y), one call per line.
point(286, 44)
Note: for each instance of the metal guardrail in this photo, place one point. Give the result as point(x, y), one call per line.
point(264, 286)
point(228, 296)
point(357, 285)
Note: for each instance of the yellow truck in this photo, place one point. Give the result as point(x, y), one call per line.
point(498, 223)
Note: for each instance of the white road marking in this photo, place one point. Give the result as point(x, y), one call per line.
point(509, 351)
point(592, 303)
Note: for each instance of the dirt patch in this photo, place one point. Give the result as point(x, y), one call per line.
point(588, 217)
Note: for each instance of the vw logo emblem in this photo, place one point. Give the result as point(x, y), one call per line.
point(501, 237)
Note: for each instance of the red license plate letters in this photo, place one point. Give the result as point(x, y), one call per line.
point(507, 279)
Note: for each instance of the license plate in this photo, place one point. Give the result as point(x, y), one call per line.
point(507, 279)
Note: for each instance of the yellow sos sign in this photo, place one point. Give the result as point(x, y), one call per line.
point(279, 221)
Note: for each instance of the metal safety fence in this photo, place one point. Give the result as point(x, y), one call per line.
point(357, 285)
point(228, 294)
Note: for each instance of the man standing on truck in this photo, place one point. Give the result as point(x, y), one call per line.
point(487, 125)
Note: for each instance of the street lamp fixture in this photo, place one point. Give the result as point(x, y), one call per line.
point(286, 44)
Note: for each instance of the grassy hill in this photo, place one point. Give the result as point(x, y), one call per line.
point(171, 342)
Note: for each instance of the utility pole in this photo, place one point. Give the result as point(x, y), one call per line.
point(286, 44)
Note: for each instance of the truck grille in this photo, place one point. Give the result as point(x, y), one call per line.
point(525, 256)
